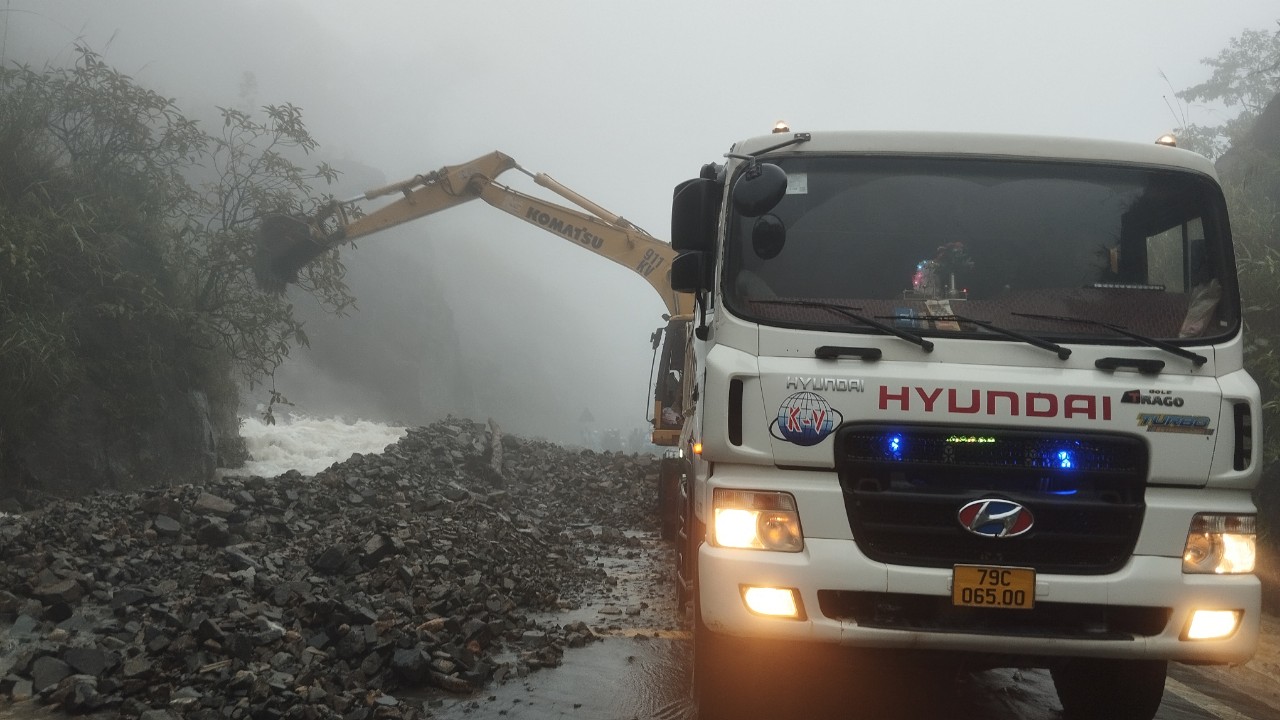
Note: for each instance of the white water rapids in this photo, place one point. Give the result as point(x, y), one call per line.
point(308, 444)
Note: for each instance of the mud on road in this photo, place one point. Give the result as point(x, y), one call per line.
point(640, 670)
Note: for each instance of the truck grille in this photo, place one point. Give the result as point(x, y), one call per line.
point(904, 487)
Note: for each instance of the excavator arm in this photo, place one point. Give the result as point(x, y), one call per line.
point(287, 243)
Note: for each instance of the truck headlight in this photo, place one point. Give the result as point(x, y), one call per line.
point(756, 520)
point(1220, 544)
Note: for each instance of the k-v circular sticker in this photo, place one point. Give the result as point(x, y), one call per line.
point(805, 419)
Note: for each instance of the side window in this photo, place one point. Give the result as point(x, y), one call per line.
point(1167, 254)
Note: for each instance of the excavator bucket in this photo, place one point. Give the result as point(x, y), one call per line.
point(285, 245)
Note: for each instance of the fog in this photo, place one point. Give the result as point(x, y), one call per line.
point(472, 312)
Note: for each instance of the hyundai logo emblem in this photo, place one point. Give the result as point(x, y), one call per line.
point(995, 518)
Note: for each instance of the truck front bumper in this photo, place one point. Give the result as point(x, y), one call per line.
point(1141, 611)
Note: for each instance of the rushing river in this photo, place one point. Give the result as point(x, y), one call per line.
point(308, 444)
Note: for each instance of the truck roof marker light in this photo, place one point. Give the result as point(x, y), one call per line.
point(697, 448)
point(1168, 140)
point(1212, 625)
point(781, 127)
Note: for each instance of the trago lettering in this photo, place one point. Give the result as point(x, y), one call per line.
point(1006, 403)
point(1154, 397)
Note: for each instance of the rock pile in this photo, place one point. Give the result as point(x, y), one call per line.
point(335, 596)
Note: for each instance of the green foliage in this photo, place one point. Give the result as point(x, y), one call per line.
point(1245, 74)
point(1255, 221)
point(126, 233)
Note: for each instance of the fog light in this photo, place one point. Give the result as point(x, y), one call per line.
point(774, 602)
point(1212, 624)
point(756, 520)
point(1220, 544)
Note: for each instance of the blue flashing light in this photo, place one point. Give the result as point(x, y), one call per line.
point(1066, 459)
point(895, 443)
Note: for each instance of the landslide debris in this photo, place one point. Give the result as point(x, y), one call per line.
point(354, 593)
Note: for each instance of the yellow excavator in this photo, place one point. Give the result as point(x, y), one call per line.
point(287, 243)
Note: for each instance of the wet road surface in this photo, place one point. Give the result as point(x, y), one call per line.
point(625, 678)
point(641, 671)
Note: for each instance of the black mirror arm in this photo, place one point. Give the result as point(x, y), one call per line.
point(795, 140)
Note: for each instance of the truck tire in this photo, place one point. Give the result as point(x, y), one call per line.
point(713, 690)
point(729, 677)
point(669, 497)
point(689, 535)
point(1109, 689)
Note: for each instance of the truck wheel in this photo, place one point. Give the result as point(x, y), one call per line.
point(688, 537)
point(725, 680)
point(1109, 689)
point(669, 498)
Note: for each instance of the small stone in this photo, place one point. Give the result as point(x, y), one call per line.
point(63, 591)
point(47, 672)
point(166, 526)
point(209, 504)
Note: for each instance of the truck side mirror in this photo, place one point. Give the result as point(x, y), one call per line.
point(691, 272)
point(695, 211)
point(759, 189)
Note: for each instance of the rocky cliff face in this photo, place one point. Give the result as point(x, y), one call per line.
point(81, 450)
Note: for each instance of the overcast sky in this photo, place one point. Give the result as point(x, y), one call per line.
point(622, 101)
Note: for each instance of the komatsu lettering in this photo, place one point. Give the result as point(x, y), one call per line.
point(556, 225)
point(1004, 403)
point(824, 383)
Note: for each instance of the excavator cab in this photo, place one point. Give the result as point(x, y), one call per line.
point(668, 387)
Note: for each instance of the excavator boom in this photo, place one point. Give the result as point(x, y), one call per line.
point(287, 244)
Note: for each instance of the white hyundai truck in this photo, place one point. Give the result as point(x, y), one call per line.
point(978, 397)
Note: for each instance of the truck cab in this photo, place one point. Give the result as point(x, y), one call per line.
point(976, 396)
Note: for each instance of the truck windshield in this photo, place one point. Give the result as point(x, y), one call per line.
point(916, 242)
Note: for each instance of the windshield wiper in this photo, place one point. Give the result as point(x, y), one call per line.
point(842, 310)
point(1062, 352)
point(1195, 358)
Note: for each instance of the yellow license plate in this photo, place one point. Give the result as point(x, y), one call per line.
point(993, 587)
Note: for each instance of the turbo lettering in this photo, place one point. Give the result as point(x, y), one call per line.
point(1190, 424)
point(995, 402)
